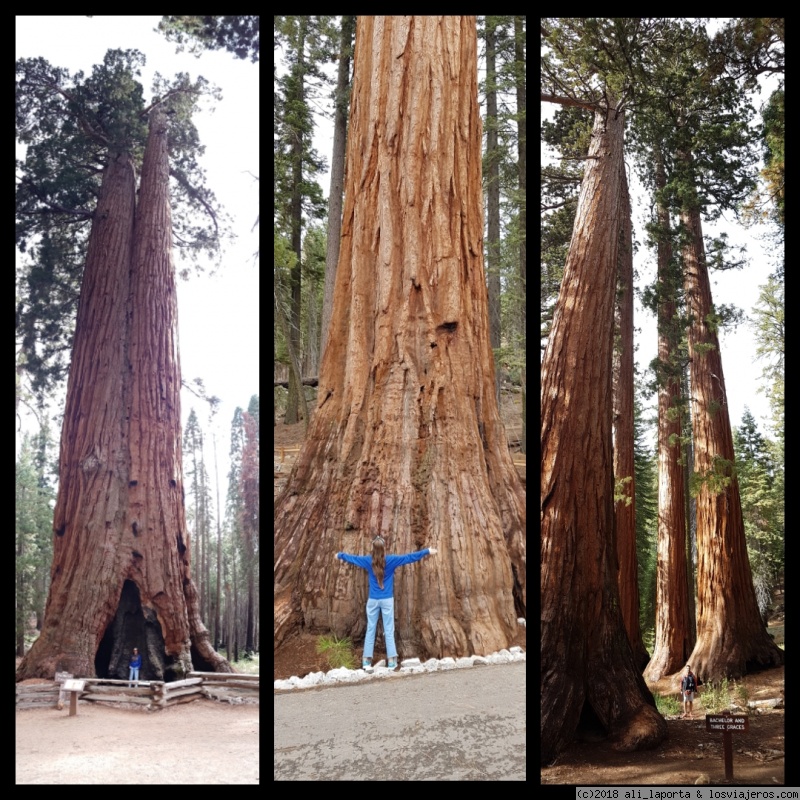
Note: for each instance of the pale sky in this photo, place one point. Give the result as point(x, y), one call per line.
point(218, 315)
point(742, 372)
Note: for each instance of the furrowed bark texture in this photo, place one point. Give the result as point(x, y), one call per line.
point(585, 652)
point(625, 509)
point(120, 575)
point(673, 631)
point(731, 637)
point(406, 440)
point(86, 583)
point(157, 517)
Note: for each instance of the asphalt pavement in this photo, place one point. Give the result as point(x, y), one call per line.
point(455, 725)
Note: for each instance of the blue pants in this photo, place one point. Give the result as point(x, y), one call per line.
point(386, 608)
point(134, 674)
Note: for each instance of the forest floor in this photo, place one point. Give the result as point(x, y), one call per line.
point(299, 656)
point(689, 752)
point(199, 742)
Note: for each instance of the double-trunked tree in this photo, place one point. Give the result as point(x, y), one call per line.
point(120, 576)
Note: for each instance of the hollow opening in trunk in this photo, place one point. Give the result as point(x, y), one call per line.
point(136, 626)
point(590, 728)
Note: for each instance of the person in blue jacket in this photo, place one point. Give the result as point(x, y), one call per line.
point(135, 665)
point(380, 569)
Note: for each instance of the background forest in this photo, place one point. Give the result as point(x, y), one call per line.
point(666, 143)
point(311, 76)
point(759, 444)
point(220, 457)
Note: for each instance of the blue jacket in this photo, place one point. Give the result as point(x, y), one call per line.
point(136, 661)
point(392, 563)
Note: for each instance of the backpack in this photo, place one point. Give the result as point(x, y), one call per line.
point(689, 684)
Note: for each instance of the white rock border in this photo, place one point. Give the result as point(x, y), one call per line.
point(408, 666)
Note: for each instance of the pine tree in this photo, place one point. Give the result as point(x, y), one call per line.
point(303, 38)
point(762, 504)
point(248, 489)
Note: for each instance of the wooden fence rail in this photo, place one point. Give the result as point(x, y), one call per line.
point(153, 694)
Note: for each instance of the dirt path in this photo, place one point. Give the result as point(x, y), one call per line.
point(199, 742)
point(689, 751)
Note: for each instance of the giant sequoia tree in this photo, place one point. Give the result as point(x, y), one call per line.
point(705, 133)
point(120, 575)
point(673, 641)
point(406, 440)
point(585, 651)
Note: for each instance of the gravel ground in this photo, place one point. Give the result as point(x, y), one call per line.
point(458, 725)
point(199, 742)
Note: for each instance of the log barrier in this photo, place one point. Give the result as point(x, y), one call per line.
point(232, 687)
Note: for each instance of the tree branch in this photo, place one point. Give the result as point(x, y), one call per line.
point(569, 101)
point(196, 195)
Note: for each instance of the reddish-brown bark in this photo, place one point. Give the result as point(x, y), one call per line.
point(625, 509)
point(121, 560)
point(672, 636)
point(731, 637)
point(585, 652)
point(406, 440)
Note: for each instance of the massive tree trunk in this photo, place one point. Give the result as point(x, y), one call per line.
point(120, 574)
point(336, 195)
point(624, 472)
point(406, 440)
point(672, 637)
point(585, 652)
point(731, 636)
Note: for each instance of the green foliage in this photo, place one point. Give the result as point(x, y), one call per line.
point(339, 652)
point(702, 348)
point(646, 473)
point(621, 490)
point(774, 152)
point(768, 322)
point(716, 479)
point(238, 35)
point(667, 705)
point(34, 501)
point(761, 487)
point(71, 125)
point(247, 665)
point(721, 695)
point(742, 693)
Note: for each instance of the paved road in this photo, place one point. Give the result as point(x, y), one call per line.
point(458, 725)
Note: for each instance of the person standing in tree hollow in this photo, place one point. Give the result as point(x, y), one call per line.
point(135, 665)
point(380, 569)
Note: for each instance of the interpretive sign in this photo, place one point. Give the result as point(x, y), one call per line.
point(74, 687)
point(726, 724)
point(719, 723)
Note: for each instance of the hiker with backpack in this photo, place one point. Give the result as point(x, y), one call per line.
point(688, 691)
